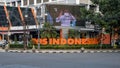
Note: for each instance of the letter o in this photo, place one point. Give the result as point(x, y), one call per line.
point(70, 41)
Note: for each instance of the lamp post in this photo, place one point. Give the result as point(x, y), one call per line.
point(24, 34)
point(40, 20)
point(25, 23)
point(8, 35)
point(26, 16)
point(38, 33)
point(39, 23)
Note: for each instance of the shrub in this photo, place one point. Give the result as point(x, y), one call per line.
point(62, 46)
point(16, 46)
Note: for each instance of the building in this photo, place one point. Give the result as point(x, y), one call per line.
point(39, 11)
point(10, 2)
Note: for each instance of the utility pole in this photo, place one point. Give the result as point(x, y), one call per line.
point(25, 29)
point(39, 33)
point(40, 19)
point(8, 35)
point(39, 23)
point(24, 35)
point(24, 26)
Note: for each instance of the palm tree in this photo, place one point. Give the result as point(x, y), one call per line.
point(49, 31)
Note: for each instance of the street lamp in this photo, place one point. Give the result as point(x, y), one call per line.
point(38, 33)
point(24, 28)
point(26, 16)
point(24, 35)
point(8, 34)
point(39, 23)
point(40, 20)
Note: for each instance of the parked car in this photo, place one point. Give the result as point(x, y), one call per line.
point(3, 43)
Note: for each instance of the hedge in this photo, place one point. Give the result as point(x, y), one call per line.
point(63, 46)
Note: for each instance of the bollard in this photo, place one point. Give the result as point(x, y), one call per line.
point(82, 49)
point(115, 46)
point(6, 48)
point(33, 49)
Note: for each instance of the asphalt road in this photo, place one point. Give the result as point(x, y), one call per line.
point(68, 60)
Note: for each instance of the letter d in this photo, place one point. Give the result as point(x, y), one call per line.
point(63, 41)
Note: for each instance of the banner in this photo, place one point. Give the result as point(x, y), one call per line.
point(64, 15)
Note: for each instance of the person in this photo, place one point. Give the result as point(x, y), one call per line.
point(66, 18)
point(118, 41)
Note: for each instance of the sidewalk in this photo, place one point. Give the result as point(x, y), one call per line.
point(62, 51)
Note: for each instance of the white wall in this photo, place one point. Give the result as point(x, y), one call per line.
point(21, 27)
point(8, 0)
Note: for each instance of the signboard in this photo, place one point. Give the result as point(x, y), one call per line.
point(64, 15)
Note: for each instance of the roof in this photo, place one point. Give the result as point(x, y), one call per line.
point(9, 0)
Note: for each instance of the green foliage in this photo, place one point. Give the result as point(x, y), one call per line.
point(16, 46)
point(110, 10)
point(86, 15)
point(48, 31)
point(93, 17)
point(73, 33)
point(63, 46)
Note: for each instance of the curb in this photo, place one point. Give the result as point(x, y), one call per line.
point(62, 51)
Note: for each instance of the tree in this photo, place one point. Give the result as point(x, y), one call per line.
point(110, 14)
point(110, 10)
point(92, 16)
point(48, 31)
point(73, 33)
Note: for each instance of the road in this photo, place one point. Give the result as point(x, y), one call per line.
point(68, 60)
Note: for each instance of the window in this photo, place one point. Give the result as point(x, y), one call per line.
point(19, 2)
point(14, 16)
point(70, 1)
point(31, 1)
point(2, 3)
point(13, 3)
point(38, 1)
point(45, 0)
point(54, 0)
point(29, 20)
point(3, 19)
point(25, 2)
